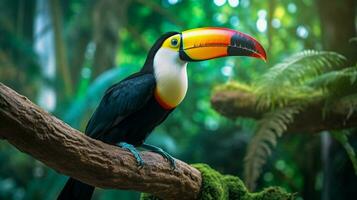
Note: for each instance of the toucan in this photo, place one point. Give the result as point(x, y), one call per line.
point(133, 107)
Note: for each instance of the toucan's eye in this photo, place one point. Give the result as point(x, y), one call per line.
point(174, 42)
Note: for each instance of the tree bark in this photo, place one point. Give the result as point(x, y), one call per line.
point(46, 138)
point(236, 103)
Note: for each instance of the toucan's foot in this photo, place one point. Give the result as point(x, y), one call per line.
point(161, 152)
point(132, 150)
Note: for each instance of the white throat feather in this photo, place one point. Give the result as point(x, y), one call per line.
point(171, 78)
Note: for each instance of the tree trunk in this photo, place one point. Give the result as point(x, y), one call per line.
point(338, 26)
point(60, 48)
point(108, 16)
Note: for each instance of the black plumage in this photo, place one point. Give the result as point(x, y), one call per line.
point(128, 112)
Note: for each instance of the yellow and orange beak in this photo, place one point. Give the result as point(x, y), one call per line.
point(208, 43)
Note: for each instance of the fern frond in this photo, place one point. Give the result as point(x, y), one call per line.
point(346, 104)
point(271, 126)
point(302, 66)
point(335, 81)
point(342, 138)
point(284, 82)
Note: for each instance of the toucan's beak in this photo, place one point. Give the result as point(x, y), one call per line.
point(208, 43)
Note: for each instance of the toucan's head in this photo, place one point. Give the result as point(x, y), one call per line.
point(168, 57)
point(206, 43)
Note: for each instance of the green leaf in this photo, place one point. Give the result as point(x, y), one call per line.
point(271, 126)
point(336, 82)
point(285, 82)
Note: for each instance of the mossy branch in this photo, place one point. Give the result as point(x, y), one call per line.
point(48, 139)
point(234, 100)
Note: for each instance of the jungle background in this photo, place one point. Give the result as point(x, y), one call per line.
point(62, 55)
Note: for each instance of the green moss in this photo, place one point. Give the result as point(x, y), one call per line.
point(272, 193)
point(216, 186)
point(237, 189)
point(213, 186)
point(233, 85)
point(146, 196)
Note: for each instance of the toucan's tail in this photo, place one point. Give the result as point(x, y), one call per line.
point(75, 189)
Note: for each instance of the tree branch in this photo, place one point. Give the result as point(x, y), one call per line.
point(46, 138)
point(234, 103)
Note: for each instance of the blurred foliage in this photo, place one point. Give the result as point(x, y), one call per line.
point(194, 132)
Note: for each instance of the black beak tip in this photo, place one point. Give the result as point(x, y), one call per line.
point(244, 45)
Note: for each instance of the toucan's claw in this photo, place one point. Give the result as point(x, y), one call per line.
point(162, 153)
point(169, 158)
point(132, 150)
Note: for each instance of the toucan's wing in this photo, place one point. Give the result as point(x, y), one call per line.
point(119, 101)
